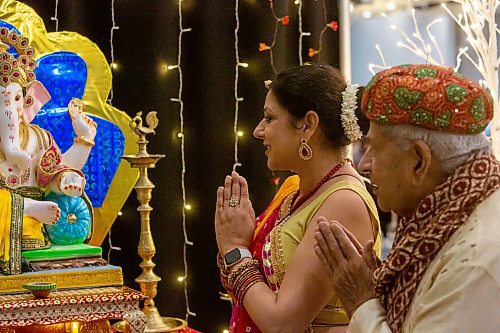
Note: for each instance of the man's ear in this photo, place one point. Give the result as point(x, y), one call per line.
point(422, 158)
point(310, 122)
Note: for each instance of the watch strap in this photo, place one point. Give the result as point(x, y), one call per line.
point(243, 253)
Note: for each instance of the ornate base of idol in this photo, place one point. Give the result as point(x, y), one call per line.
point(72, 311)
point(65, 256)
point(70, 278)
point(89, 293)
point(69, 266)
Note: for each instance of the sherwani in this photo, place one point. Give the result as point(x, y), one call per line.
point(460, 290)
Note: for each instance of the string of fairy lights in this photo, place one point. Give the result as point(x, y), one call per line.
point(333, 25)
point(237, 98)
point(54, 18)
point(302, 33)
point(181, 136)
point(113, 64)
point(110, 100)
point(284, 20)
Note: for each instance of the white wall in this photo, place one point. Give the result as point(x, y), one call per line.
point(366, 33)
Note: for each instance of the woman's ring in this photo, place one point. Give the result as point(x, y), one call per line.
point(234, 201)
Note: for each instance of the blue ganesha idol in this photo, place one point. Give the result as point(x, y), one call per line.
point(31, 163)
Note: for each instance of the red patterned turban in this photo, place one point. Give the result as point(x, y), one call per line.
point(433, 97)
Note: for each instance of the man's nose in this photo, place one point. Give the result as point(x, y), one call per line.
point(365, 165)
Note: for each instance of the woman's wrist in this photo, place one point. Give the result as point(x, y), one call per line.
point(235, 267)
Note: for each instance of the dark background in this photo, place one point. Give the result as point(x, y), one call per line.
point(147, 38)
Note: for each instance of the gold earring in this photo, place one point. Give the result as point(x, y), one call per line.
point(28, 101)
point(305, 151)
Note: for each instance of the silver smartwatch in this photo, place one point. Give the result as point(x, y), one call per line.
point(236, 255)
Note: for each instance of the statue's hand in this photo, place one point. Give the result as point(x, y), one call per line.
point(20, 158)
point(72, 184)
point(82, 125)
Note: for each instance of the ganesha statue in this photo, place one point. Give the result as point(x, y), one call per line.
point(31, 164)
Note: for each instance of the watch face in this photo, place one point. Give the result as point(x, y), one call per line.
point(232, 256)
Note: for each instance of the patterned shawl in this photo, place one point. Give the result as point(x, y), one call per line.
point(419, 238)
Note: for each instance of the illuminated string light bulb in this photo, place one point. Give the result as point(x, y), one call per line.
point(180, 135)
point(240, 133)
point(243, 64)
point(225, 331)
point(114, 65)
point(180, 278)
point(120, 213)
point(170, 67)
point(367, 14)
point(187, 206)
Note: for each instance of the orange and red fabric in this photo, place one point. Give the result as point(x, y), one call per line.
point(428, 96)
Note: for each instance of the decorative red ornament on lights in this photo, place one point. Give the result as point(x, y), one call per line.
point(312, 52)
point(285, 20)
point(263, 47)
point(334, 25)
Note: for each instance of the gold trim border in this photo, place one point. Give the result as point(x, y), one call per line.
point(89, 278)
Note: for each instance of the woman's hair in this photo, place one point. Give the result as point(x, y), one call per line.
point(317, 88)
point(452, 150)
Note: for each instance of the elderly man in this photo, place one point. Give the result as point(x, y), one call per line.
point(431, 164)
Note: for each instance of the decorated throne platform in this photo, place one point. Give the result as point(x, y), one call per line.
point(89, 289)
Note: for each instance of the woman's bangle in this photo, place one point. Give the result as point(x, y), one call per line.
point(84, 141)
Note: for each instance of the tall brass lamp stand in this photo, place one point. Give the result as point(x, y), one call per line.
point(148, 280)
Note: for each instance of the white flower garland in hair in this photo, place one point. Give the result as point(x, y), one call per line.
point(348, 116)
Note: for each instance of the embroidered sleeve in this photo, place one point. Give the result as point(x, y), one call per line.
point(50, 165)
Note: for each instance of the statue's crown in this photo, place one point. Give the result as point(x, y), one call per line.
point(13, 69)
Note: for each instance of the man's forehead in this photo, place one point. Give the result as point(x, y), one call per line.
point(374, 133)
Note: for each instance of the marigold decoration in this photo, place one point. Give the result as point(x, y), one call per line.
point(334, 25)
point(428, 96)
point(285, 20)
point(312, 52)
point(263, 47)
